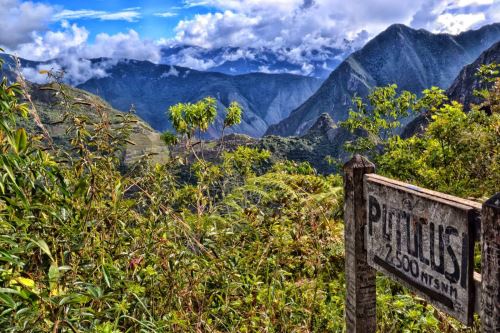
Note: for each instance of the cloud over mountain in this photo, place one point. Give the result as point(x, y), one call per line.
point(69, 49)
point(292, 23)
point(295, 27)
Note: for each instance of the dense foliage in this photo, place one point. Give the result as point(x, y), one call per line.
point(458, 153)
point(88, 246)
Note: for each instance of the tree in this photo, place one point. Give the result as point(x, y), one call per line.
point(190, 120)
point(380, 119)
point(233, 117)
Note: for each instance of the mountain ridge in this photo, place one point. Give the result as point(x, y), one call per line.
point(51, 107)
point(150, 89)
point(413, 59)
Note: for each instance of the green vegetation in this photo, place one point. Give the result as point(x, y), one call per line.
point(247, 245)
point(459, 152)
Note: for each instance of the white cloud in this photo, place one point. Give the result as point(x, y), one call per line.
point(456, 16)
point(466, 3)
point(247, 5)
point(171, 72)
point(166, 14)
point(290, 23)
point(54, 44)
point(191, 59)
point(493, 15)
point(455, 24)
point(76, 14)
point(76, 70)
point(298, 31)
point(19, 20)
point(219, 29)
point(73, 40)
point(123, 45)
point(69, 48)
point(129, 15)
point(297, 27)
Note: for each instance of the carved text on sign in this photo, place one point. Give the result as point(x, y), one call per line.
point(425, 243)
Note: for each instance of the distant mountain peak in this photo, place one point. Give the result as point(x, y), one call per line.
point(323, 124)
point(323, 128)
point(399, 27)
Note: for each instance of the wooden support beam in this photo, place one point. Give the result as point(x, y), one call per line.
point(490, 265)
point(360, 307)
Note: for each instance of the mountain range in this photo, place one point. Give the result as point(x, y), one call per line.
point(152, 89)
point(413, 59)
point(326, 139)
point(280, 104)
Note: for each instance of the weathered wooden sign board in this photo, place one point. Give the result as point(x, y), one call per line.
point(424, 240)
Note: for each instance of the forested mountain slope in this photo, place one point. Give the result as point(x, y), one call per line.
point(50, 104)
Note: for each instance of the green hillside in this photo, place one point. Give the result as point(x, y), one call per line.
point(52, 102)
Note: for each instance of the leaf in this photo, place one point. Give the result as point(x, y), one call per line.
point(74, 298)
point(53, 273)
point(9, 301)
point(21, 140)
point(43, 246)
point(106, 277)
point(54, 276)
point(10, 172)
point(9, 291)
point(28, 283)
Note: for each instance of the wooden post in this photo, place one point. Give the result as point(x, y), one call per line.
point(360, 306)
point(490, 265)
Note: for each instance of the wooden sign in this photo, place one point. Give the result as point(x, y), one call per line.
point(424, 240)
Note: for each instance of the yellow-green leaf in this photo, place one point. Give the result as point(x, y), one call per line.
point(21, 140)
point(28, 283)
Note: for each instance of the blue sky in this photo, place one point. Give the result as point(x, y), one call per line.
point(43, 29)
point(151, 19)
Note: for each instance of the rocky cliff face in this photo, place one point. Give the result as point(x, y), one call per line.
point(413, 59)
point(462, 89)
point(151, 89)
